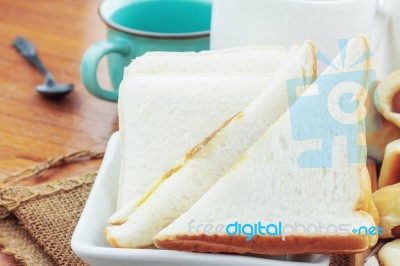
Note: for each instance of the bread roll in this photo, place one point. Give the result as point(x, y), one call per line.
point(389, 255)
point(387, 201)
point(390, 171)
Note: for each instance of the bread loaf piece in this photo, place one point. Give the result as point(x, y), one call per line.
point(182, 185)
point(169, 102)
point(268, 186)
point(251, 59)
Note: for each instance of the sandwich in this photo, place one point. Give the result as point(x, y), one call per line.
point(163, 113)
point(168, 114)
point(182, 185)
point(287, 195)
point(250, 59)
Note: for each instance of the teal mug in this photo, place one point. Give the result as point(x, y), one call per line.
point(135, 27)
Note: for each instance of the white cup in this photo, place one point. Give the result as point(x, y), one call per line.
point(286, 22)
point(391, 45)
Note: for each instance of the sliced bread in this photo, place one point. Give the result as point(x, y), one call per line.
point(251, 59)
point(182, 185)
point(317, 208)
point(168, 114)
point(163, 111)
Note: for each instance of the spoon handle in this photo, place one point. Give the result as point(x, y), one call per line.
point(28, 51)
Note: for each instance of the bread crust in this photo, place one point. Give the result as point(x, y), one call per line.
point(298, 244)
point(365, 204)
point(348, 244)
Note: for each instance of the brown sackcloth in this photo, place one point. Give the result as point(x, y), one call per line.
point(36, 223)
point(47, 217)
point(339, 260)
point(44, 217)
point(20, 245)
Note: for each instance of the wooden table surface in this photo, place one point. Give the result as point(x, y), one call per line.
point(32, 128)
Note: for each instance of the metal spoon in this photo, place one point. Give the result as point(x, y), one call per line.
point(50, 89)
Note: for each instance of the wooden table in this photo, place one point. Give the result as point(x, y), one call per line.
point(32, 128)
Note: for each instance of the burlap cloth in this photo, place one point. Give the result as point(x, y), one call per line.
point(39, 230)
point(36, 223)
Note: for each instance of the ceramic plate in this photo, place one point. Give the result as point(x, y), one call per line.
point(89, 244)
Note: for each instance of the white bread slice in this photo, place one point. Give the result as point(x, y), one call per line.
point(193, 175)
point(250, 59)
point(169, 114)
point(165, 116)
point(268, 185)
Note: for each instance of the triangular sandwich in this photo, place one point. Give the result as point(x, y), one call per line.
point(289, 194)
point(181, 186)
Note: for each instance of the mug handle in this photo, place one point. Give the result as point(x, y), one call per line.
point(90, 63)
point(380, 26)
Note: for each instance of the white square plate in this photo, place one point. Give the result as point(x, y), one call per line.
point(88, 241)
